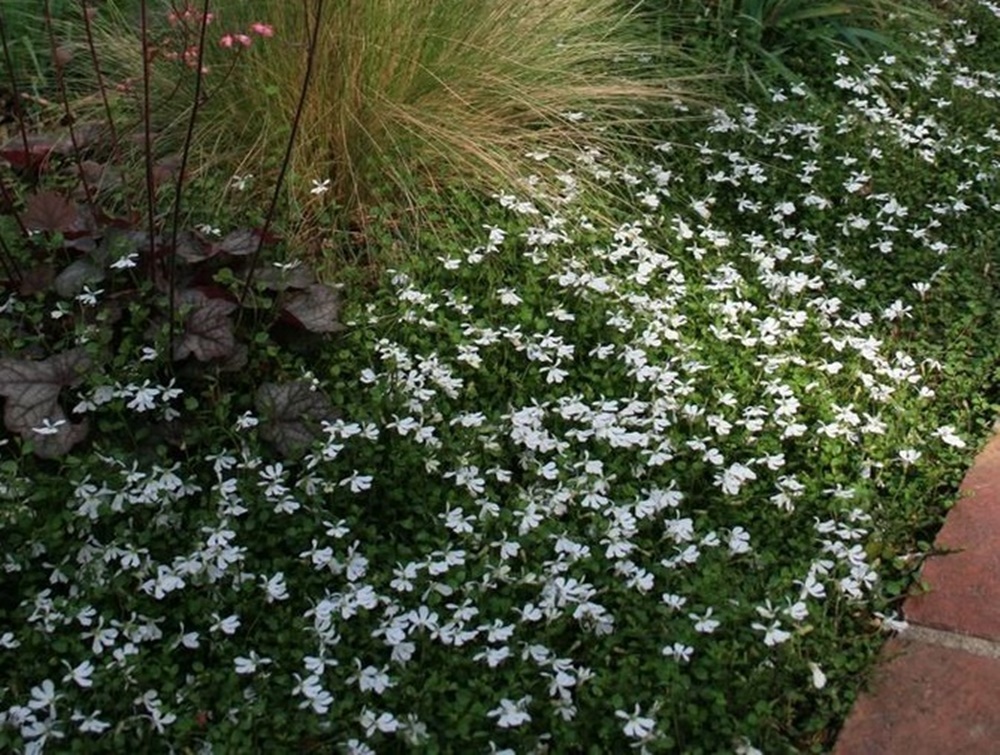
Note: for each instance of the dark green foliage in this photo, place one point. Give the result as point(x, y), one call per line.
point(771, 43)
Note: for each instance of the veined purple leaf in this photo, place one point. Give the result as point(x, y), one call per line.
point(75, 276)
point(36, 155)
point(208, 330)
point(32, 408)
point(238, 243)
point(237, 360)
point(190, 248)
point(52, 445)
point(276, 279)
point(51, 211)
point(316, 308)
point(291, 415)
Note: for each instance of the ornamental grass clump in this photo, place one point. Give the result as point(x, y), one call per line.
point(412, 95)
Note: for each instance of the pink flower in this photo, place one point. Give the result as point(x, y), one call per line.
point(230, 40)
point(244, 40)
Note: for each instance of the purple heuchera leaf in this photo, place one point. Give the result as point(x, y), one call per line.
point(291, 415)
point(32, 392)
point(75, 276)
point(316, 308)
point(281, 280)
point(190, 248)
point(60, 442)
point(34, 155)
point(51, 211)
point(239, 243)
point(208, 330)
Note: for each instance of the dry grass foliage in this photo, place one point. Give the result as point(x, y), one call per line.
point(408, 93)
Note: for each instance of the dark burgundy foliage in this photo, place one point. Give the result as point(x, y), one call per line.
point(315, 308)
point(292, 415)
point(208, 330)
point(86, 234)
point(32, 391)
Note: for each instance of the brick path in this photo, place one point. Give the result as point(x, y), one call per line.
point(937, 691)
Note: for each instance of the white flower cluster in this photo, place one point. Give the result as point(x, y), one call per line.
point(623, 460)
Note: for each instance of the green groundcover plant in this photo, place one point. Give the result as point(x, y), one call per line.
point(651, 481)
point(759, 41)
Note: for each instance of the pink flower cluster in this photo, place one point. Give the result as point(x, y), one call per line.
point(245, 40)
point(188, 19)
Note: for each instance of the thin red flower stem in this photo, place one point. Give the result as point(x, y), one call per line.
point(101, 86)
point(9, 63)
point(147, 128)
point(306, 80)
point(64, 96)
point(178, 193)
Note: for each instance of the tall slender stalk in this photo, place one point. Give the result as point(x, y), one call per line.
point(286, 161)
point(101, 86)
point(64, 97)
point(9, 199)
point(22, 130)
point(15, 89)
point(147, 130)
point(178, 192)
point(8, 261)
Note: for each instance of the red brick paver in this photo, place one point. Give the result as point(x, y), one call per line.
point(926, 700)
point(938, 687)
point(964, 593)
